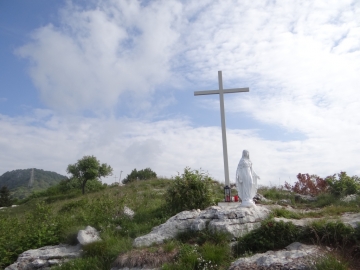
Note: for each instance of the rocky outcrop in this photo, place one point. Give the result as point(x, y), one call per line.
point(295, 256)
point(304, 198)
point(352, 219)
point(45, 257)
point(260, 198)
point(87, 236)
point(349, 198)
point(235, 221)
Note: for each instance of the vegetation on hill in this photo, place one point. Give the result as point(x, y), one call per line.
point(5, 199)
point(88, 169)
point(17, 181)
point(135, 175)
point(56, 215)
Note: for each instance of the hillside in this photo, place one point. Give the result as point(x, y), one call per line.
point(17, 181)
point(51, 219)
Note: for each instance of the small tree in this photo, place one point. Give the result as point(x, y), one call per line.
point(5, 199)
point(144, 174)
point(308, 185)
point(88, 169)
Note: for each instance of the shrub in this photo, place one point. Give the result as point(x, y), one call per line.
point(203, 236)
point(271, 235)
point(308, 185)
point(335, 234)
point(191, 190)
point(343, 184)
point(144, 174)
point(38, 228)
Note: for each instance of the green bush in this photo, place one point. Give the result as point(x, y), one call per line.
point(38, 228)
point(191, 190)
point(203, 236)
point(343, 184)
point(144, 174)
point(271, 235)
point(335, 234)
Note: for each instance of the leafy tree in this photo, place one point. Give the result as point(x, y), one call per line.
point(144, 174)
point(5, 199)
point(88, 169)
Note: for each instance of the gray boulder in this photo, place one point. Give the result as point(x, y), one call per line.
point(306, 198)
point(128, 212)
point(178, 223)
point(260, 198)
point(236, 221)
point(87, 236)
point(349, 198)
point(294, 256)
point(45, 257)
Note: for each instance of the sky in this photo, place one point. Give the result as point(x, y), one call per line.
point(116, 79)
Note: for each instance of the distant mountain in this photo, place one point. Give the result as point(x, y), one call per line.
point(21, 183)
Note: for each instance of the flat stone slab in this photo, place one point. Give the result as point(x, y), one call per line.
point(294, 256)
point(236, 221)
point(45, 257)
point(351, 219)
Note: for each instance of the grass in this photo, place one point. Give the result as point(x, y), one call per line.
point(48, 220)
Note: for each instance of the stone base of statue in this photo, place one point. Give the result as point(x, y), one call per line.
point(248, 204)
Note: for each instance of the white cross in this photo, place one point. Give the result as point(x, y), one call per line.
point(221, 93)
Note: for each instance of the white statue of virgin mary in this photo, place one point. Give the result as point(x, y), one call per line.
point(246, 181)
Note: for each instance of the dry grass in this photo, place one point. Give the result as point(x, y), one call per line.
point(145, 258)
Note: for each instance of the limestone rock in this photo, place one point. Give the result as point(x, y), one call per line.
point(260, 198)
point(238, 221)
point(351, 219)
point(306, 198)
point(284, 202)
point(45, 257)
point(128, 212)
point(88, 236)
point(178, 223)
point(294, 256)
point(349, 198)
point(233, 220)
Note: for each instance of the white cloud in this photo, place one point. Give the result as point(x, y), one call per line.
point(95, 55)
point(167, 147)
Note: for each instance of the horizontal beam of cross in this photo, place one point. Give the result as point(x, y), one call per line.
point(225, 91)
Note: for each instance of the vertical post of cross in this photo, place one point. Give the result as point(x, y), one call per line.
point(221, 93)
point(223, 129)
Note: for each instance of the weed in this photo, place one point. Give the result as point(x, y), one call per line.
point(280, 212)
point(330, 262)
